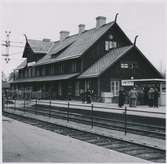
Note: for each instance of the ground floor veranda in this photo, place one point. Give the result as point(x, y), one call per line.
point(107, 91)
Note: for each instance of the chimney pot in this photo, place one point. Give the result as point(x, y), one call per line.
point(81, 28)
point(63, 35)
point(100, 20)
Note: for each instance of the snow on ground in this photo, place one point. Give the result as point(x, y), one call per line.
point(26, 143)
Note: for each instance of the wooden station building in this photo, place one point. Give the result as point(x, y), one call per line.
point(98, 59)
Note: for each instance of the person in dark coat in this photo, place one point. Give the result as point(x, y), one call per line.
point(156, 95)
point(121, 100)
point(88, 96)
point(145, 98)
point(82, 95)
point(151, 97)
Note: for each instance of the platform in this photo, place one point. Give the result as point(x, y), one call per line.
point(143, 111)
point(26, 143)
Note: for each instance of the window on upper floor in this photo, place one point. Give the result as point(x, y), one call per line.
point(74, 67)
point(29, 72)
point(61, 68)
point(52, 69)
point(129, 65)
point(110, 45)
point(133, 65)
point(33, 71)
point(37, 71)
point(124, 65)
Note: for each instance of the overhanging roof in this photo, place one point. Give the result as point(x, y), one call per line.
point(145, 80)
point(46, 78)
point(22, 65)
point(39, 46)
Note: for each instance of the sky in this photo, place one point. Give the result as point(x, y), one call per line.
point(40, 19)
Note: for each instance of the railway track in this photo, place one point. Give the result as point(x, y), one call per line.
point(137, 150)
point(108, 123)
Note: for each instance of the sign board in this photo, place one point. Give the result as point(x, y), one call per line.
point(127, 83)
point(107, 94)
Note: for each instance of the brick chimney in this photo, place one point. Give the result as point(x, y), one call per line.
point(100, 20)
point(81, 28)
point(63, 35)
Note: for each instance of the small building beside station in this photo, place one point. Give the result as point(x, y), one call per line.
point(101, 59)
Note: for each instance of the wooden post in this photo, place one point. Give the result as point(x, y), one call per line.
point(98, 87)
point(50, 103)
point(92, 115)
point(125, 120)
point(15, 104)
point(36, 106)
point(3, 103)
point(68, 107)
point(24, 100)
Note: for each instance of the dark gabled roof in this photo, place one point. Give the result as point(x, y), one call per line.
point(105, 62)
point(46, 78)
point(56, 48)
point(154, 68)
point(22, 65)
point(79, 43)
point(39, 46)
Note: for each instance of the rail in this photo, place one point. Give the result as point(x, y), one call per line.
point(90, 108)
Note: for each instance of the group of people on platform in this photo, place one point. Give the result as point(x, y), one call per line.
point(146, 97)
point(86, 96)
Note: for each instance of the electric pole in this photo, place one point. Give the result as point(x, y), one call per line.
point(7, 46)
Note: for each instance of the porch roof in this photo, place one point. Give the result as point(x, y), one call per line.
point(145, 80)
point(22, 65)
point(46, 78)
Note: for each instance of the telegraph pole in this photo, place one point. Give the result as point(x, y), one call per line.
point(7, 46)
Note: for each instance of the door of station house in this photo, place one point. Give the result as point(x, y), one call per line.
point(115, 86)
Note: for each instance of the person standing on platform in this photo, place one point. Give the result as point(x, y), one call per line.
point(145, 98)
point(151, 97)
point(133, 97)
point(156, 96)
point(88, 96)
point(121, 100)
point(82, 95)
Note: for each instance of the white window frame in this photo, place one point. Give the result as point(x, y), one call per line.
point(124, 65)
point(115, 87)
point(107, 45)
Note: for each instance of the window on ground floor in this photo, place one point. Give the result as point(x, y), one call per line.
point(77, 88)
point(115, 86)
